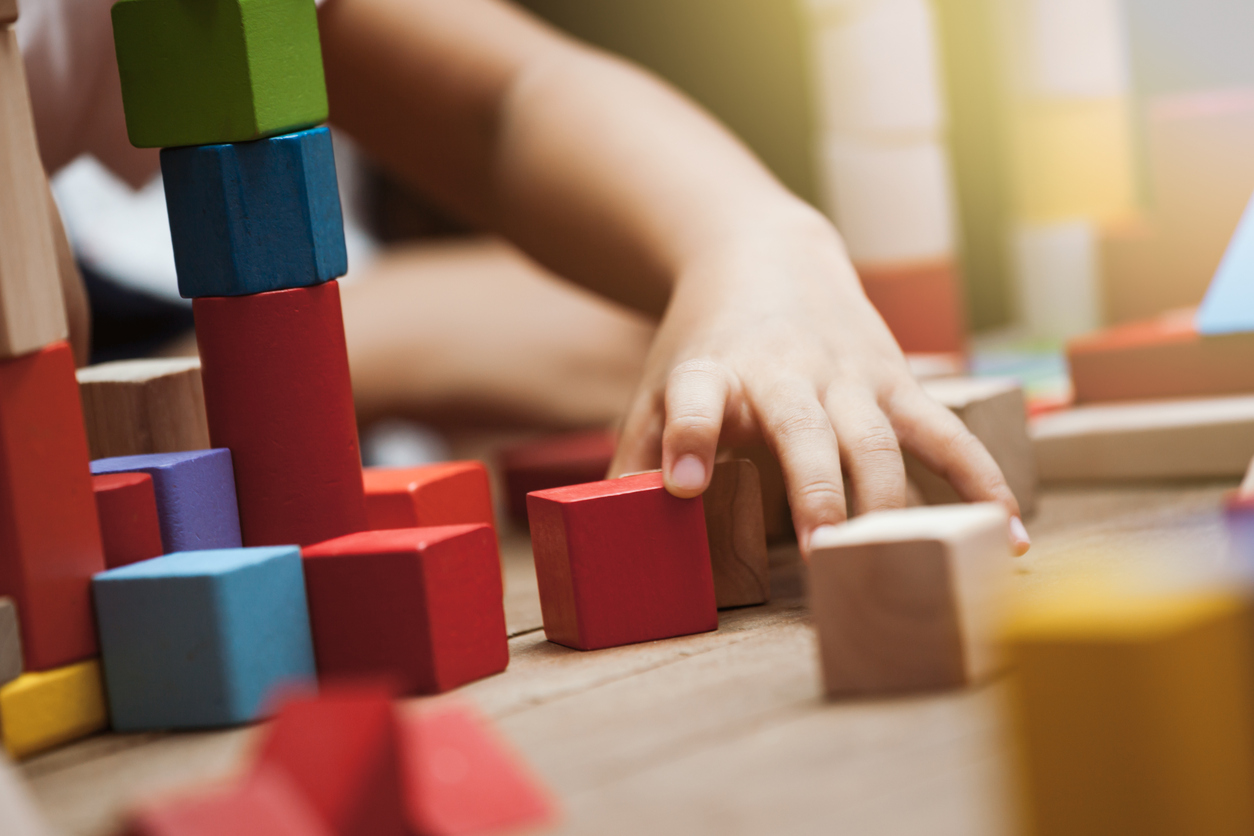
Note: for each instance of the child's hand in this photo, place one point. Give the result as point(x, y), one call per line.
point(772, 338)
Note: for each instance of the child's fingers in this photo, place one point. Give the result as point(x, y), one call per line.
point(869, 451)
point(696, 398)
point(640, 442)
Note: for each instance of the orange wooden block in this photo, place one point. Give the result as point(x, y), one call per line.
point(1164, 357)
point(922, 304)
point(448, 493)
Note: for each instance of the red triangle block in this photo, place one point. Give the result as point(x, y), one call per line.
point(267, 804)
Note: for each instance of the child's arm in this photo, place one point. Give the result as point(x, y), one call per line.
point(613, 180)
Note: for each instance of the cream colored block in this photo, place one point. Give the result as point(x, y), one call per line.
point(1057, 270)
point(910, 600)
point(132, 407)
point(1069, 48)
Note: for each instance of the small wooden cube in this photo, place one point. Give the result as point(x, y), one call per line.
point(554, 462)
point(621, 561)
point(448, 493)
point(421, 607)
point(910, 600)
point(136, 407)
point(129, 524)
point(737, 535)
point(8, 12)
point(10, 642)
point(40, 710)
point(264, 804)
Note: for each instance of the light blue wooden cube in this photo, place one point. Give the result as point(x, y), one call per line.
point(203, 638)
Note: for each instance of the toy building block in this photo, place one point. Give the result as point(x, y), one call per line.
point(909, 600)
point(218, 71)
point(1132, 712)
point(1172, 439)
point(737, 535)
point(553, 462)
point(10, 642)
point(995, 412)
point(49, 539)
point(8, 12)
point(448, 493)
point(341, 752)
point(195, 493)
point(197, 639)
point(18, 811)
point(133, 407)
point(266, 804)
point(130, 526)
point(1164, 357)
point(279, 397)
point(420, 606)
point(45, 709)
point(776, 513)
point(492, 791)
point(1229, 304)
point(32, 310)
point(621, 561)
point(921, 303)
point(224, 246)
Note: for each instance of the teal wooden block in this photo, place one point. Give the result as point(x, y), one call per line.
point(198, 72)
point(202, 639)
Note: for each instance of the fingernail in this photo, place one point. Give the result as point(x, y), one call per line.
point(1019, 537)
point(688, 474)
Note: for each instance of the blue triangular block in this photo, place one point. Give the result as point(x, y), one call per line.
point(1229, 304)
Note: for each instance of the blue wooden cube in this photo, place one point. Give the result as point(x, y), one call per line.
point(250, 217)
point(201, 639)
point(196, 503)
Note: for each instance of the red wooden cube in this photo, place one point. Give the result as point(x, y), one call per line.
point(621, 561)
point(422, 606)
point(129, 525)
point(553, 462)
point(448, 493)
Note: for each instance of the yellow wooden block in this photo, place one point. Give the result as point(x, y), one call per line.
point(1133, 713)
point(43, 709)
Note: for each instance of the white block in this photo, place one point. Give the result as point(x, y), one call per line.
point(1066, 48)
point(1057, 270)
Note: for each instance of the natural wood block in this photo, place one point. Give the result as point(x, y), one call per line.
point(32, 310)
point(554, 462)
point(776, 513)
point(10, 642)
point(129, 525)
point(737, 535)
point(8, 12)
point(279, 397)
point(420, 607)
point(49, 538)
point(448, 493)
point(621, 561)
point(995, 412)
point(1172, 439)
point(921, 302)
point(1164, 357)
point(18, 810)
point(134, 407)
point(910, 600)
point(1132, 712)
point(265, 804)
point(40, 710)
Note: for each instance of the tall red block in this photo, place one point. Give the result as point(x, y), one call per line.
point(448, 493)
point(267, 804)
point(49, 535)
point(421, 606)
point(129, 526)
point(554, 462)
point(621, 561)
point(278, 395)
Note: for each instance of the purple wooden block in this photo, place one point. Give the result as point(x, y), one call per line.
point(195, 496)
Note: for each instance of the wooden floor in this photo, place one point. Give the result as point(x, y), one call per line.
point(724, 732)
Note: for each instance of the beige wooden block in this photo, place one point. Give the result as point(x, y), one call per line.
point(737, 532)
point(995, 412)
point(775, 511)
point(18, 814)
point(911, 599)
point(133, 407)
point(8, 12)
point(10, 642)
point(1173, 439)
point(32, 312)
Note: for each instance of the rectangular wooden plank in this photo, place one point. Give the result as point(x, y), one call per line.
point(133, 407)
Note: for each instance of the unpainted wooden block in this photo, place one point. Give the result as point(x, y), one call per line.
point(264, 804)
point(776, 513)
point(911, 599)
point(737, 535)
point(18, 810)
point(32, 310)
point(10, 642)
point(40, 710)
point(8, 12)
point(621, 561)
point(995, 412)
point(447, 493)
point(133, 407)
point(1132, 712)
point(1170, 439)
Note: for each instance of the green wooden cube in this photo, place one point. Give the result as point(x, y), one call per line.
point(202, 72)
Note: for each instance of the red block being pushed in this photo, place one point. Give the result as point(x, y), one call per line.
point(49, 535)
point(553, 462)
point(621, 561)
point(449, 493)
point(420, 606)
point(341, 751)
point(278, 395)
point(129, 525)
point(266, 804)
point(461, 778)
